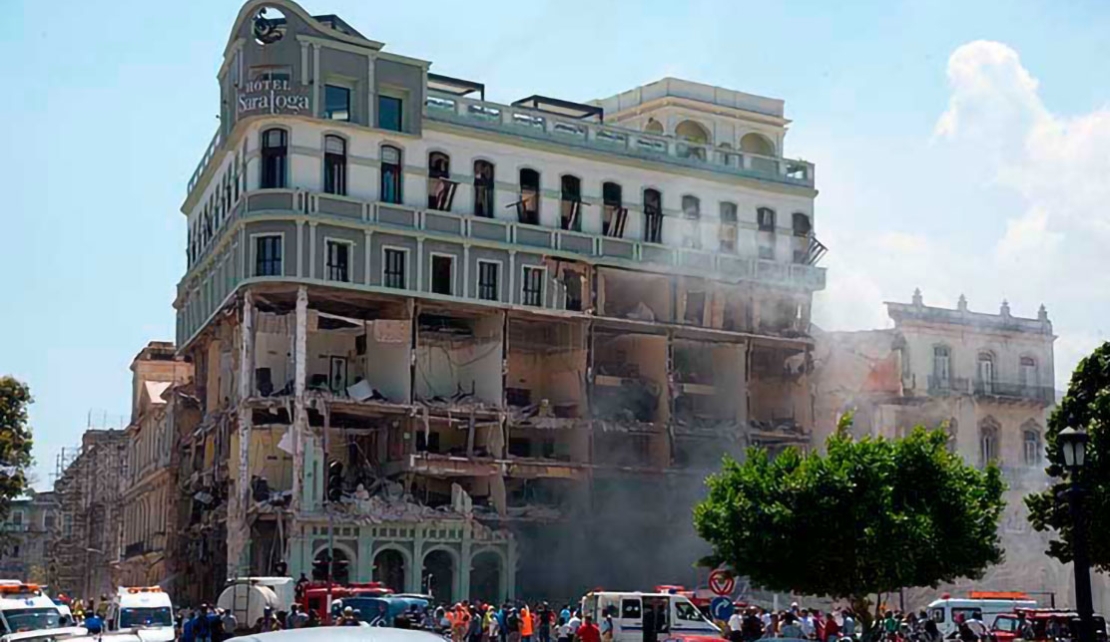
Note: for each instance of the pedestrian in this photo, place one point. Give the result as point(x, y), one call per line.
point(588, 631)
point(94, 623)
point(574, 623)
point(563, 630)
point(268, 622)
point(474, 627)
point(230, 622)
point(543, 622)
point(512, 623)
point(832, 629)
point(215, 625)
point(848, 624)
point(202, 632)
point(805, 621)
point(790, 627)
point(527, 626)
point(735, 627)
point(607, 629)
point(313, 619)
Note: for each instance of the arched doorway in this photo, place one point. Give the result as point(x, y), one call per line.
point(341, 566)
point(438, 577)
point(389, 569)
point(485, 577)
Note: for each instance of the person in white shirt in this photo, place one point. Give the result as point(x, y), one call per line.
point(735, 624)
point(806, 622)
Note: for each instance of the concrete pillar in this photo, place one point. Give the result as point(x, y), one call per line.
point(464, 564)
point(417, 573)
point(365, 566)
point(300, 412)
point(238, 534)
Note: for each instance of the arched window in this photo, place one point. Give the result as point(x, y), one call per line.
point(757, 144)
point(528, 207)
point(613, 215)
point(653, 126)
point(942, 356)
point(570, 203)
point(483, 189)
point(802, 226)
point(653, 216)
point(691, 207)
point(1028, 372)
point(986, 373)
point(335, 165)
point(441, 189)
point(275, 144)
point(765, 217)
point(1031, 447)
point(692, 131)
point(728, 227)
point(988, 441)
point(391, 175)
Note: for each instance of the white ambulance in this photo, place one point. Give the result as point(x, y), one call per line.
point(145, 608)
point(25, 607)
point(979, 607)
point(648, 617)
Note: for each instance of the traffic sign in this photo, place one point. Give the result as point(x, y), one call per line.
point(721, 583)
point(721, 608)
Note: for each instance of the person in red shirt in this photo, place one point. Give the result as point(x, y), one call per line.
point(589, 632)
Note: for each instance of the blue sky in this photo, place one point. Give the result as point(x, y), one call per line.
point(960, 147)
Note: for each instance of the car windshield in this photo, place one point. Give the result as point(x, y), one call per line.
point(16, 620)
point(367, 609)
point(154, 616)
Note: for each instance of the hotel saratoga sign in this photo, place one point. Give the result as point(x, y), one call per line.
point(276, 96)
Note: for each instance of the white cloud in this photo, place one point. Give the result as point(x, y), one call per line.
point(1051, 247)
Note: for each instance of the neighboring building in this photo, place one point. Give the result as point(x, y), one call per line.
point(32, 522)
point(987, 379)
point(150, 481)
point(86, 551)
point(524, 331)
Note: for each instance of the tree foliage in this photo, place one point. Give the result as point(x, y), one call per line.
point(1085, 406)
point(868, 517)
point(15, 441)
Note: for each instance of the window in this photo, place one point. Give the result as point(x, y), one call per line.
point(441, 189)
point(630, 610)
point(389, 113)
point(483, 189)
point(281, 74)
point(614, 216)
point(1031, 447)
point(394, 268)
point(49, 520)
point(1028, 371)
point(442, 278)
point(765, 217)
point(570, 205)
point(728, 227)
point(391, 175)
point(528, 207)
point(533, 286)
point(941, 363)
point(274, 148)
point(337, 102)
point(988, 441)
point(488, 289)
point(691, 207)
point(16, 518)
point(267, 255)
point(653, 126)
point(339, 261)
point(986, 372)
point(653, 216)
point(766, 251)
point(688, 612)
point(801, 224)
point(335, 165)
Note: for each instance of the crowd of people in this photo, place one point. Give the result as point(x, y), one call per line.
point(838, 625)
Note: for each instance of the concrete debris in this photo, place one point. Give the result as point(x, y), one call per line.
point(361, 391)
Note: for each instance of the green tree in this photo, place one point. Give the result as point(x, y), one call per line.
point(15, 442)
point(868, 517)
point(1085, 406)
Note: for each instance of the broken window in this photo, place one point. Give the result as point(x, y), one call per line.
point(572, 284)
point(391, 175)
point(441, 189)
point(337, 102)
point(339, 261)
point(691, 209)
point(571, 203)
point(487, 280)
point(483, 189)
point(442, 278)
point(801, 224)
point(765, 216)
point(532, 289)
point(528, 207)
point(653, 216)
point(695, 307)
point(274, 152)
point(728, 227)
point(335, 165)
point(614, 215)
point(394, 269)
point(267, 255)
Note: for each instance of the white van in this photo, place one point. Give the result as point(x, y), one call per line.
point(949, 612)
point(25, 607)
point(671, 614)
point(147, 608)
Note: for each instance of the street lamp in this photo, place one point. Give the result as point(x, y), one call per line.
point(1073, 447)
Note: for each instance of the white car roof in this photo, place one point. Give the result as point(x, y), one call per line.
point(344, 634)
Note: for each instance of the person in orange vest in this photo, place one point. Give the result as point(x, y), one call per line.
point(526, 624)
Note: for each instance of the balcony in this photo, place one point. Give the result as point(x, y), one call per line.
point(529, 123)
point(1015, 391)
point(949, 385)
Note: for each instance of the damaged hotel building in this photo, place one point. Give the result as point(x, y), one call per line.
point(514, 336)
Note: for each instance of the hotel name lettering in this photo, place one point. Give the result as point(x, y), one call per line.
point(271, 96)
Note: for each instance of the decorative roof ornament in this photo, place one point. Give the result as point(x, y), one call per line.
point(267, 31)
point(962, 304)
point(917, 297)
point(1005, 311)
point(1042, 313)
